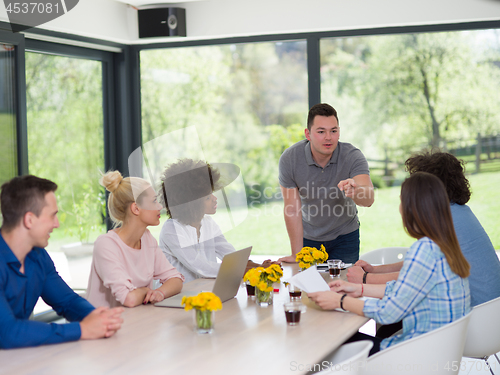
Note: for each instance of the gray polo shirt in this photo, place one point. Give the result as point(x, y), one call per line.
point(326, 212)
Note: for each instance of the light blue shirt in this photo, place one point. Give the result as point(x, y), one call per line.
point(426, 295)
point(484, 279)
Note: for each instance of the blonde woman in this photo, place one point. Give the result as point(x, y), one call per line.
point(127, 259)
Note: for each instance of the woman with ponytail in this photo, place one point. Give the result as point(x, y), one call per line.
point(127, 259)
point(432, 288)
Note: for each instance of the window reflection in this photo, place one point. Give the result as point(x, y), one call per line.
point(248, 103)
point(65, 145)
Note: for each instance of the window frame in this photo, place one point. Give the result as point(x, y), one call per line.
point(122, 126)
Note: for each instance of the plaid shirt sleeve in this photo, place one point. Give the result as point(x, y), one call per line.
point(416, 279)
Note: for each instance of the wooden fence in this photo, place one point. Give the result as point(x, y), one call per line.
point(482, 153)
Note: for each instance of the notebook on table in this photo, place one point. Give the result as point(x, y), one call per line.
point(227, 282)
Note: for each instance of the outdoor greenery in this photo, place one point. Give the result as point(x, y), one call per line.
point(8, 159)
point(381, 225)
point(406, 92)
point(65, 136)
point(8, 164)
point(247, 102)
point(395, 95)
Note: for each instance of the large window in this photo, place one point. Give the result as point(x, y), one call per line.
point(395, 94)
point(248, 103)
point(65, 145)
point(8, 138)
point(398, 94)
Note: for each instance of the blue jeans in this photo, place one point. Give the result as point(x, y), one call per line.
point(345, 247)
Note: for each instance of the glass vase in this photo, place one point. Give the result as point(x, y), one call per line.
point(204, 321)
point(263, 299)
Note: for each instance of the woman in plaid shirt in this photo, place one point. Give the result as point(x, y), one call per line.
point(432, 288)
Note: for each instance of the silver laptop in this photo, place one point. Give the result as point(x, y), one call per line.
point(228, 279)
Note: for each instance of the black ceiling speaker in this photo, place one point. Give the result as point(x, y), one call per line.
point(161, 22)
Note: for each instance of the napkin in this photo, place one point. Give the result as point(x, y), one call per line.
point(309, 281)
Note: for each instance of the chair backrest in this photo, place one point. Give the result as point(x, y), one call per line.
point(385, 255)
point(435, 352)
point(348, 359)
point(483, 334)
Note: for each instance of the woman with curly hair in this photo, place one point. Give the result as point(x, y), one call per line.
point(127, 258)
point(191, 240)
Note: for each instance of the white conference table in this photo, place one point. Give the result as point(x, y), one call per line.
point(247, 339)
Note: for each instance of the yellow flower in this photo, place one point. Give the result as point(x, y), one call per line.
point(276, 269)
point(263, 286)
point(308, 259)
point(317, 254)
point(254, 280)
point(303, 254)
point(253, 275)
point(250, 273)
point(325, 254)
point(187, 301)
point(214, 304)
point(203, 301)
point(304, 265)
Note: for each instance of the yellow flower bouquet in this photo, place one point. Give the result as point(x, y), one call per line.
point(310, 256)
point(262, 279)
point(204, 304)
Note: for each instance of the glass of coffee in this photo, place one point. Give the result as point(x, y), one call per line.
point(292, 312)
point(334, 266)
point(295, 293)
point(250, 290)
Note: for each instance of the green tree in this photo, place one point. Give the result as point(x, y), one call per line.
point(404, 92)
point(231, 94)
point(433, 84)
point(65, 135)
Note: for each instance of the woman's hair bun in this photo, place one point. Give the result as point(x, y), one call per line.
point(111, 180)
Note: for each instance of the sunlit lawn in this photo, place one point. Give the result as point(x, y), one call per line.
point(380, 224)
point(264, 226)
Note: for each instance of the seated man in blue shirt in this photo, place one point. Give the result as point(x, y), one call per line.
point(29, 211)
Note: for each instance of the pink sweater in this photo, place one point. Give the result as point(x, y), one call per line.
point(117, 269)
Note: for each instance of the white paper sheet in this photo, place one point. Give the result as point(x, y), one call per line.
point(309, 281)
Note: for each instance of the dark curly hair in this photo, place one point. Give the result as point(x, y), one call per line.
point(184, 183)
point(447, 168)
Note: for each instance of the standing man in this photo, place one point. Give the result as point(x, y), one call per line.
point(29, 212)
point(322, 180)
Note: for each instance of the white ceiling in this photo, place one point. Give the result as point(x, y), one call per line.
point(115, 21)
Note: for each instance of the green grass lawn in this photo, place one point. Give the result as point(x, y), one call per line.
point(381, 224)
point(264, 226)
